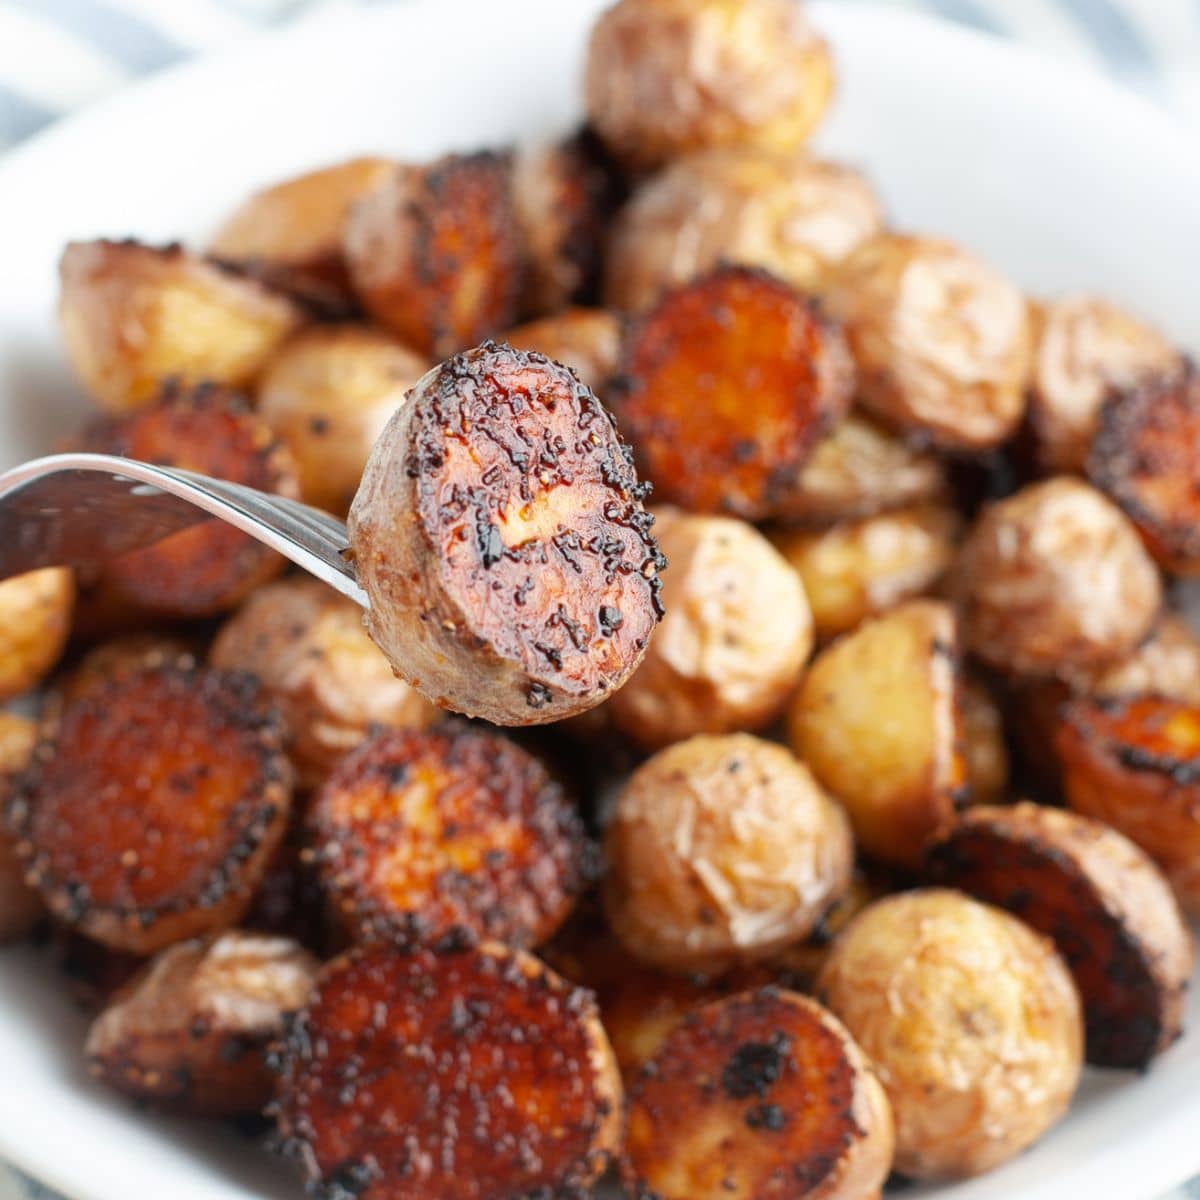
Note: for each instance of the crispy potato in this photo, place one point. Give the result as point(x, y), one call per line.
point(20, 906)
point(878, 720)
point(514, 585)
point(722, 849)
point(792, 215)
point(152, 806)
point(327, 394)
point(1055, 578)
point(588, 340)
point(726, 386)
point(1083, 348)
point(290, 234)
point(972, 1022)
point(435, 252)
point(191, 1032)
point(736, 636)
point(665, 77)
point(759, 1095)
point(940, 339)
point(983, 744)
point(309, 650)
point(133, 316)
point(120, 657)
point(35, 622)
point(1106, 905)
point(1167, 664)
point(504, 1085)
point(862, 568)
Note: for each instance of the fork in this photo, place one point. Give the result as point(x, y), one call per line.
point(81, 510)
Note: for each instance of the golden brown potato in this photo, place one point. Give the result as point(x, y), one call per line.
point(940, 339)
point(153, 806)
point(665, 77)
point(984, 745)
point(792, 215)
point(972, 1022)
point(760, 1095)
point(588, 340)
point(290, 235)
point(327, 394)
point(736, 635)
point(120, 657)
point(435, 253)
point(500, 535)
point(862, 568)
point(1166, 664)
point(20, 907)
point(133, 316)
point(1083, 348)
point(726, 386)
point(878, 720)
point(35, 622)
point(722, 849)
point(1106, 905)
point(1055, 578)
point(506, 1086)
point(191, 1032)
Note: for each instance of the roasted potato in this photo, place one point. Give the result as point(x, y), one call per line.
point(1054, 578)
point(133, 316)
point(736, 635)
point(983, 744)
point(878, 720)
point(1106, 905)
point(722, 849)
point(972, 1021)
point(862, 568)
point(759, 1095)
point(20, 907)
point(665, 77)
point(726, 386)
point(940, 339)
point(152, 806)
point(588, 340)
point(790, 214)
point(500, 535)
point(191, 1032)
point(120, 657)
point(35, 622)
point(327, 394)
point(435, 252)
point(497, 1076)
point(1084, 348)
point(308, 648)
point(1167, 664)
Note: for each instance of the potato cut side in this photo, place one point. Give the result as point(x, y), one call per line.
point(588, 340)
point(35, 623)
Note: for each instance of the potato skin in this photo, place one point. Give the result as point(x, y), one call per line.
point(20, 906)
point(940, 339)
point(763, 1094)
point(765, 854)
point(35, 622)
point(972, 1021)
point(588, 340)
point(984, 745)
point(1166, 664)
point(133, 316)
point(734, 640)
point(191, 1032)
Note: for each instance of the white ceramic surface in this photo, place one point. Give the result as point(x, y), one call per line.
point(1061, 179)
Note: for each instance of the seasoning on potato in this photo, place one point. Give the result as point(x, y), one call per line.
point(120, 657)
point(588, 340)
point(20, 906)
point(35, 623)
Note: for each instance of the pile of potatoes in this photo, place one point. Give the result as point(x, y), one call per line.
point(892, 830)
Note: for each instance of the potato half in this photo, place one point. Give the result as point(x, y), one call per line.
point(35, 623)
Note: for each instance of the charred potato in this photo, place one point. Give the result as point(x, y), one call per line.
point(20, 907)
point(35, 622)
point(722, 849)
point(133, 316)
point(120, 657)
point(984, 745)
point(940, 339)
point(191, 1032)
point(972, 1021)
point(734, 640)
point(588, 340)
point(498, 1076)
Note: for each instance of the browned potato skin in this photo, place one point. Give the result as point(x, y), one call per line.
point(35, 622)
point(666, 77)
point(327, 394)
point(133, 316)
point(877, 718)
point(984, 746)
point(191, 1032)
point(1166, 664)
point(758, 1096)
point(20, 906)
point(489, 1032)
point(971, 1020)
point(1105, 904)
point(766, 854)
point(940, 339)
point(790, 214)
point(588, 340)
point(516, 588)
point(119, 658)
point(1084, 347)
point(735, 638)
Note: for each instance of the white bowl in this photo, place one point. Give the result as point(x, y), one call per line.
point(1063, 180)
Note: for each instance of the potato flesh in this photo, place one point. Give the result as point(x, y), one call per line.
point(35, 622)
point(20, 907)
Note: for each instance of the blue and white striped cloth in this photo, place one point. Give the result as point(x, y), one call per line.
point(56, 55)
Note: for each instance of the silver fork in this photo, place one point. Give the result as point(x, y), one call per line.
point(81, 510)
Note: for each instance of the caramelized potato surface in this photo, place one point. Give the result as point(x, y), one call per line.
point(120, 657)
point(20, 907)
point(35, 622)
point(588, 340)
